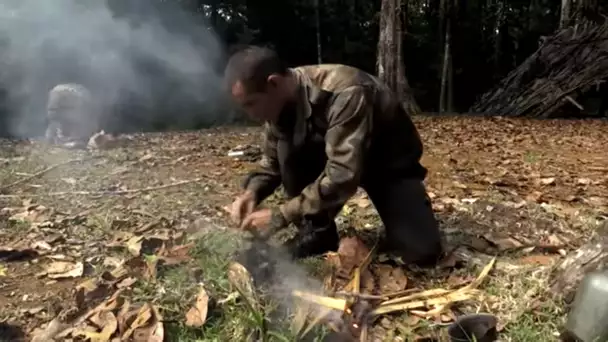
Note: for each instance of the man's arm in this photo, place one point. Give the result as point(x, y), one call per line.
point(266, 178)
point(347, 141)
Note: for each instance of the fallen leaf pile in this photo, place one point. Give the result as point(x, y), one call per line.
point(152, 251)
point(434, 303)
point(113, 320)
point(526, 191)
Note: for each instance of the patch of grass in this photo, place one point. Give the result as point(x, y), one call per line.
point(541, 325)
point(531, 157)
point(519, 298)
point(229, 317)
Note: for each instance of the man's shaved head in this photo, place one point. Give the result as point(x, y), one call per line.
point(251, 66)
point(258, 81)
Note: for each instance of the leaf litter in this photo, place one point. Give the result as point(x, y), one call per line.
point(526, 191)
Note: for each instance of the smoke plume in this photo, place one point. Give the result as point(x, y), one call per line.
point(148, 62)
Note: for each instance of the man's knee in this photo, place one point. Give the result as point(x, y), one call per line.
point(412, 231)
point(421, 252)
point(416, 243)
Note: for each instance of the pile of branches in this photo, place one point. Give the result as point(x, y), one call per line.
point(566, 65)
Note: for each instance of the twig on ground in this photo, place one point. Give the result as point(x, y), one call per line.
point(102, 193)
point(39, 173)
point(360, 295)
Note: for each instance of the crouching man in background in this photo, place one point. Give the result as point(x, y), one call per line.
point(330, 129)
point(72, 117)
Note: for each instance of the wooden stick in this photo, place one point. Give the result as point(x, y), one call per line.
point(101, 193)
point(39, 173)
point(360, 295)
point(578, 105)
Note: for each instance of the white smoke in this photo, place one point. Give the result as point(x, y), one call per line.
point(156, 53)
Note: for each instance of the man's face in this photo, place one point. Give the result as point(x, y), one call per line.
point(264, 105)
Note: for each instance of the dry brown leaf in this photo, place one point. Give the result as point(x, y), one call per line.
point(539, 259)
point(160, 222)
point(176, 254)
point(460, 185)
point(153, 332)
point(64, 269)
point(32, 214)
point(109, 326)
point(390, 279)
point(48, 333)
point(555, 240)
point(197, 315)
point(41, 245)
point(90, 291)
point(242, 280)
point(124, 317)
point(138, 245)
point(547, 181)
point(127, 282)
point(583, 181)
point(504, 242)
point(144, 315)
point(352, 251)
point(134, 245)
point(412, 320)
point(535, 197)
point(333, 259)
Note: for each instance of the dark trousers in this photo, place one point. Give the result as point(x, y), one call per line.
point(404, 207)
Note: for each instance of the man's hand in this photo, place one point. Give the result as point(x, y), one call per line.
point(257, 220)
point(242, 207)
point(264, 222)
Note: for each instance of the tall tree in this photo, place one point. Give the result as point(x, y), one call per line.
point(587, 9)
point(445, 94)
point(318, 31)
point(389, 62)
point(566, 13)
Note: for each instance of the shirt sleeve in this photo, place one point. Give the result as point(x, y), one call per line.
point(346, 143)
point(266, 177)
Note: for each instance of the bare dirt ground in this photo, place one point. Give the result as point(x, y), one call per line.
point(121, 242)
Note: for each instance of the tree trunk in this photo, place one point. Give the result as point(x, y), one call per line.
point(445, 96)
point(498, 37)
point(564, 20)
point(318, 28)
point(532, 17)
point(586, 9)
point(389, 63)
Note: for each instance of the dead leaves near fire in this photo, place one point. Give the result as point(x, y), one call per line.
point(115, 319)
point(149, 252)
point(100, 313)
point(393, 297)
point(196, 316)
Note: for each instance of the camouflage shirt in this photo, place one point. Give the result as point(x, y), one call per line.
point(365, 130)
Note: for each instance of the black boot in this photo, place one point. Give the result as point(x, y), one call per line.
point(313, 239)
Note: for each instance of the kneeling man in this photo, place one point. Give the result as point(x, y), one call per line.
point(330, 129)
